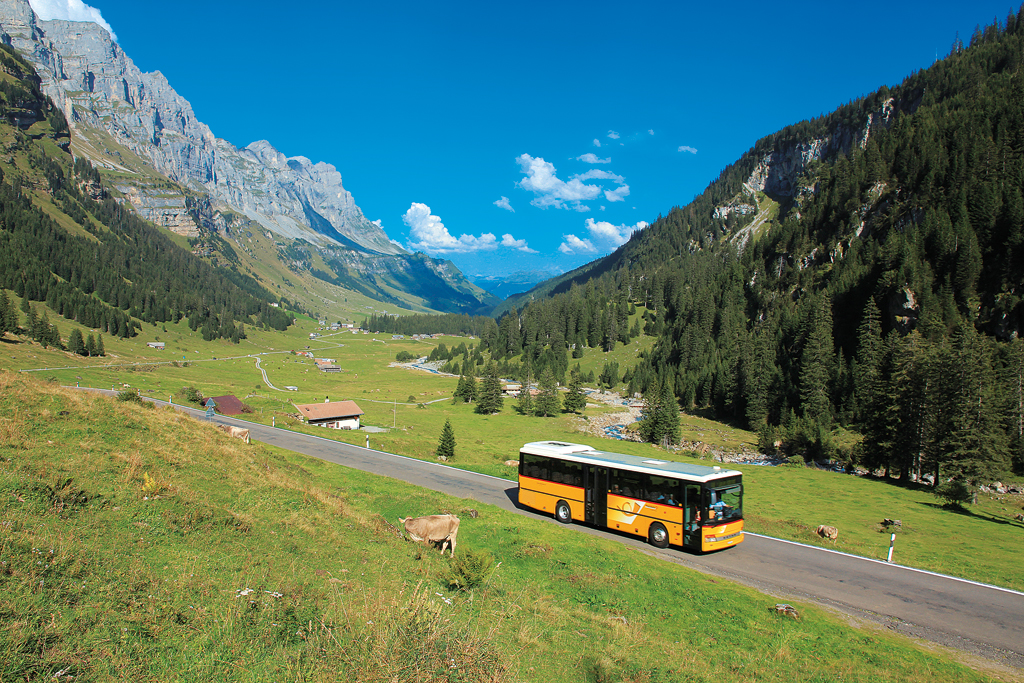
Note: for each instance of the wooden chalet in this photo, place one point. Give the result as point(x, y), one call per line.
point(337, 415)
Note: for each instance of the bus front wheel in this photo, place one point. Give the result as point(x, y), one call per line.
point(562, 512)
point(658, 536)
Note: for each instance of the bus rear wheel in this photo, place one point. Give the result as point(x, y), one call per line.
point(658, 536)
point(562, 512)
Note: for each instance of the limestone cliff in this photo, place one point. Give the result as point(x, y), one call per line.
point(127, 120)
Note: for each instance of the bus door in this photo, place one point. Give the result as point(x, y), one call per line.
point(596, 496)
point(692, 517)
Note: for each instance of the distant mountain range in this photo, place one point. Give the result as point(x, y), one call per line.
point(150, 146)
point(504, 286)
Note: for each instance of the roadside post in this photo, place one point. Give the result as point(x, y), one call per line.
point(892, 542)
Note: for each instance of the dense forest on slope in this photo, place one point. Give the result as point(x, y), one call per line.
point(884, 295)
point(116, 271)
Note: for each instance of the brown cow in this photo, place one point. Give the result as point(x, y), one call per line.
point(829, 532)
point(237, 432)
point(441, 529)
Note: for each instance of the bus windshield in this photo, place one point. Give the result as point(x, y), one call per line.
point(725, 500)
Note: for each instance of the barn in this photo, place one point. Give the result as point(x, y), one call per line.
point(337, 415)
point(228, 405)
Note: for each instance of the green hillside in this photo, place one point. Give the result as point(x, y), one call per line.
point(875, 288)
point(137, 543)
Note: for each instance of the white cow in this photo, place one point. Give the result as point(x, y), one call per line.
point(441, 529)
point(237, 432)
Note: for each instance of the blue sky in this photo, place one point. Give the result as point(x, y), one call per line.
point(528, 135)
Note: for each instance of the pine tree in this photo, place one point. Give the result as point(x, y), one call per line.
point(99, 346)
point(469, 392)
point(548, 404)
point(490, 399)
point(75, 342)
point(90, 346)
point(610, 374)
point(575, 400)
point(974, 445)
point(668, 415)
point(659, 423)
point(525, 404)
point(1013, 381)
point(881, 416)
point(759, 370)
point(815, 365)
point(32, 324)
point(446, 443)
point(869, 356)
point(460, 390)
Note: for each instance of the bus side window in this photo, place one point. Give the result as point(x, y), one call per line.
point(573, 473)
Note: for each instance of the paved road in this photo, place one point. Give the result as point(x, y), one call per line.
point(980, 619)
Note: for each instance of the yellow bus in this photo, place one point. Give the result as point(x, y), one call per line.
point(692, 506)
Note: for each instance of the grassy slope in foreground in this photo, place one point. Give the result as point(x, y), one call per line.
point(787, 502)
point(139, 544)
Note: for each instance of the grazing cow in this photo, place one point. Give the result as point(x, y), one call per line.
point(829, 532)
point(441, 529)
point(236, 432)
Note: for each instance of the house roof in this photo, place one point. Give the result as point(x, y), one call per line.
point(228, 405)
point(327, 411)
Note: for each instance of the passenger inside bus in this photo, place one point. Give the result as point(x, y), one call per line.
point(695, 522)
point(665, 498)
point(719, 508)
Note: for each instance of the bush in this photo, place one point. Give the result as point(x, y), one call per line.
point(404, 357)
point(471, 569)
point(956, 493)
point(191, 395)
point(768, 439)
point(129, 396)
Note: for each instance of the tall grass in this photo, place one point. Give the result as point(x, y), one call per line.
point(138, 544)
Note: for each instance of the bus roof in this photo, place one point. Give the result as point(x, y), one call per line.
point(577, 452)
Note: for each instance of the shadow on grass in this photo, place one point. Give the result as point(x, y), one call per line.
point(964, 512)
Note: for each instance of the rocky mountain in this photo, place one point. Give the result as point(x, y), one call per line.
point(175, 171)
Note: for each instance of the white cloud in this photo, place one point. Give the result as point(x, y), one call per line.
point(597, 143)
point(598, 173)
point(428, 234)
point(613, 135)
point(618, 194)
point(604, 236)
point(687, 148)
point(592, 158)
point(550, 190)
point(520, 245)
point(70, 10)
point(503, 204)
point(651, 131)
point(574, 245)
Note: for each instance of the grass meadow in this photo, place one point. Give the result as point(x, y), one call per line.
point(137, 543)
point(411, 406)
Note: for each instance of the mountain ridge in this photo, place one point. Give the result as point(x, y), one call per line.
point(175, 172)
